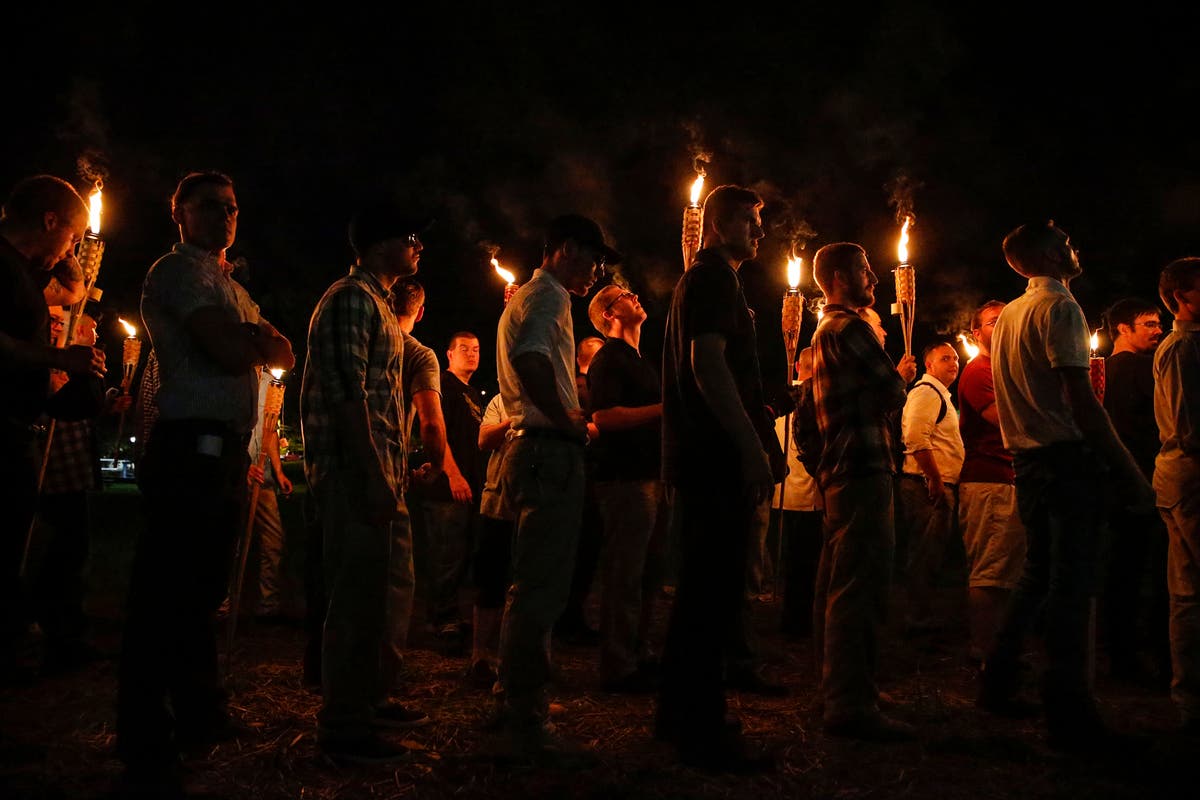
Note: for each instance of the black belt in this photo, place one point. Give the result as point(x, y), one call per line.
point(549, 433)
point(922, 479)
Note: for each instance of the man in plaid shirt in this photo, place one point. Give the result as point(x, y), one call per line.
point(352, 407)
point(856, 387)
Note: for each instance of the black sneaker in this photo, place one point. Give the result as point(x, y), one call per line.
point(398, 715)
point(480, 675)
point(371, 750)
point(874, 728)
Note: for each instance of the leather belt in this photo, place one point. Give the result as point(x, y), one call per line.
point(547, 433)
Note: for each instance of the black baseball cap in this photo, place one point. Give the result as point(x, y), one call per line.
point(380, 221)
point(580, 230)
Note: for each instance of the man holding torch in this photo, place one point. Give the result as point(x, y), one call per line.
point(1061, 440)
point(42, 221)
point(211, 341)
point(856, 391)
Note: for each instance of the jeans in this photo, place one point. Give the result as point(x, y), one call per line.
point(268, 526)
point(542, 481)
point(850, 603)
point(448, 529)
point(1056, 495)
point(1183, 581)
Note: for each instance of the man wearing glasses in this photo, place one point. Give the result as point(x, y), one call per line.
point(543, 474)
point(352, 408)
point(1135, 621)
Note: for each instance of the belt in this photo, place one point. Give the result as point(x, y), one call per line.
point(547, 433)
point(921, 478)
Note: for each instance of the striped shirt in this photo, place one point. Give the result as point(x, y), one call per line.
point(355, 353)
point(855, 389)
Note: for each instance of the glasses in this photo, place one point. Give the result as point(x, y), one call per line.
point(412, 240)
point(1153, 326)
point(618, 298)
point(229, 209)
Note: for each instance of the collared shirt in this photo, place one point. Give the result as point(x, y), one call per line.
point(856, 391)
point(1177, 411)
point(192, 385)
point(986, 459)
point(922, 431)
point(1040, 332)
point(355, 354)
point(491, 501)
point(536, 320)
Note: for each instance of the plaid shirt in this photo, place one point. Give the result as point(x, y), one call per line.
point(855, 388)
point(72, 463)
point(355, 352)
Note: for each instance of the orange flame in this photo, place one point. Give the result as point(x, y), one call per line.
point(697, 187)
point(1094, 342)
point(130, 331)
point(276, 373)
point(969, 346)
point(503, 273)
point(95, 207)
point(902, 249)
point(793, 271)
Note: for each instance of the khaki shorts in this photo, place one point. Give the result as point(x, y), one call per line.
point(992, 532)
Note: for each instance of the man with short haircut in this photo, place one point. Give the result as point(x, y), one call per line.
point(41, 222)
point(1134, 605)
point(1061, 439)
point(542, 475)
point(717, 436)
point(451, 508)
point(352, 409)
point(211, 342)
point(993, 536)
point(933, 457)
point(1177, 477)
point(856, 388)
point(627, 409)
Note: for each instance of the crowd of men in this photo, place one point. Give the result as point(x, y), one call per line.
point(590, 467)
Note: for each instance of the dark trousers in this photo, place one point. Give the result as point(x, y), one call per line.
point(1135, 606)
point(19, 463)
point(194, 501)
point(801, 546)
point(1056, 495)
point(491, 563)
point(587, 557)
point(714, 531)
point(58, 590)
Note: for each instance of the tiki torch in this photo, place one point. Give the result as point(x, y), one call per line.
point(510, 286)
point(693, 222)
point(1096, 366)
point(272, 406)
point(906, 288)
point(131, 352)
point(793, 305)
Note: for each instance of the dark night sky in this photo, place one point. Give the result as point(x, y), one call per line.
point(495, 120)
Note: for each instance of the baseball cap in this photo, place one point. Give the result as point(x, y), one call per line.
point(381, 221)
point(583, 231)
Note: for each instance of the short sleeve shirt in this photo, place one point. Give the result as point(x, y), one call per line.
point(422, 373)
point(1040, 332)
point(922, 431)
point(987, 460)
point(1129, 401)
point(620, 376)
point(24, 317)
point(536, 320)
point(192, 385)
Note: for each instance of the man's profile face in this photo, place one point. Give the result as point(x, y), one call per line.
point(987, 326)
point(741, 232)
point(1145, 333)
point(208, 219)
point(860, 283)
point(401, 256)
point(942, 363)
point(1066, 256)
point(463, 355)
point(61, 234)
point(582, 266)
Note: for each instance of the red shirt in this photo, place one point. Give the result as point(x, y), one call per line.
point(987, 460)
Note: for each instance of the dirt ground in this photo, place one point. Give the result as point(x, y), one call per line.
point(56, 736)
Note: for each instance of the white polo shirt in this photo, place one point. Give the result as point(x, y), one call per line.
point(922, 431)
point(1040, 332)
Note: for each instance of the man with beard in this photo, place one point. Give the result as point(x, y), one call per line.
point(856, 389)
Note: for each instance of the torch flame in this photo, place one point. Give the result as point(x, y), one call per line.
point(902, 249)
point(277, 373)
point(697, 187)
point(971, 348)
point(130, 331)
point(1094, 342)
point(94, 210)
point(503, 273)
point(793, 271)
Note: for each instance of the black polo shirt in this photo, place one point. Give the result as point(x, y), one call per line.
point(619, 376)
